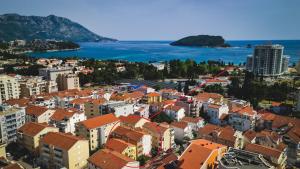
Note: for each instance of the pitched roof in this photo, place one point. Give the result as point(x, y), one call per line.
point(61, 140)
point(174, 108)
point(21, 102)
point(227, 133)
point(32, 129)
point(134, 135)
point(153, 94)
point(155, 127)
point(130, 119)
point(80, 100)
point(117, 145)
point(197, 153)
point(61, 114)
point(99, 121)
point(35, 110)
point(294, 134)
point(192, 119)
point(250, 135)
point(214, 106)
point(180, 124)
point(207, 129)
point(265, 151)
point(13, 166)
point(108, 159)
point(206, 96)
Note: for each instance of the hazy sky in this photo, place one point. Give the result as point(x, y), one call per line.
point(172, 19)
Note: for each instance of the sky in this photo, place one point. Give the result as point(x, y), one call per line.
point(172, 19)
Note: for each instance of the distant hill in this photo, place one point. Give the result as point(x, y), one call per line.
point(201, 41)
point(14, 26)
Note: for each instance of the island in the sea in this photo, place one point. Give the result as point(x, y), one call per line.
point(201, 41)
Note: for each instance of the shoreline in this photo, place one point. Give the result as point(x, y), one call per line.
point(46, 51)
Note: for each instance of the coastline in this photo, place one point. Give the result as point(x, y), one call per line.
point(46, 51)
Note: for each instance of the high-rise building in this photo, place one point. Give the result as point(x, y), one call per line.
point(11, 119)
point(268, 60)
point(9, 88)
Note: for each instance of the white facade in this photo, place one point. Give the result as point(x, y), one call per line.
point(42, 118)
point(180, 133)
point(68, 125)
point(146, 143)
point(9, 88)
point(215, 112)
point(123, 110)
point(11, 119)
point(176, 115)
point(241, 122)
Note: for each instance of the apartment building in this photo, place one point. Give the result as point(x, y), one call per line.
point(268, 60)
point(29, 135)
point(60, 150)
point(97, 129)
point(182, 130)
point(122, 147)
point(242, 118)
point(94, 107)
point(109, 159)
point(65, 120)
point(11, 119)
point(201, 153)
point(38, 114)
point(175, 112)
point(9, 88)
point(64, 77)
point(162, 135)
point(216, 112)
point(32, 85)
point(140, 139)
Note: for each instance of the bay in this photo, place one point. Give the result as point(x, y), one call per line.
point(145, 51)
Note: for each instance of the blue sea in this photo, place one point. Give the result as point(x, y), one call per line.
point(145, 51)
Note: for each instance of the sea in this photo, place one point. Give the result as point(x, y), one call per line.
point(155, 51)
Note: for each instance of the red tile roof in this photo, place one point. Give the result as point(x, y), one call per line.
point(20, 102)
point(153, 94)
point(108, 159)
point(206, 96)
point(250, 135)
point(265, 151)
point(61, 114)
point(61, 140)
point(131, 119)
point(117, 145)
point(133, 135)
point(197, 153)
point(192, 119)
point(155, 127)
point(35, 110)
point(80, 101)
point(99, 121)
point(32, 129)
point(180, 124)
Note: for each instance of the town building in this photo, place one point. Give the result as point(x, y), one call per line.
point(140, 139)
point(9, 88)
point(64, 77)
point(122, 147)
point(29, 135)
point(162, 135)
point(175, 112)
point(109, 159)
point(201, 154)
point(97, 129)
point(94, 107)
point(216, 112)
point(241, 159)
point(182, 130)
point(60, 150)
point(11, 119)
point(268, 60)
point(195, 123)
point(152, 97)
point(38, 114)
point(274, 156)
point(133, 121)
point(242, 118)
point(65, 120)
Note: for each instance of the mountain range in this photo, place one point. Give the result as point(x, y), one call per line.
point(15, 26)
